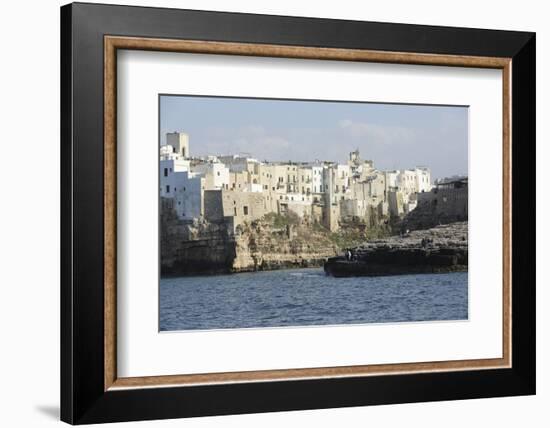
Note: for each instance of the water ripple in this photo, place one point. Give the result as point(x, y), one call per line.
point(304, 297)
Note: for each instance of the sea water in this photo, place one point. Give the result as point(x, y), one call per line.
point(307, 297)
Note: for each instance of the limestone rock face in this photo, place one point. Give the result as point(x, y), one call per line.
point(262, 246)
point(197, 247)
point(276, 242)
point(440, 249)
point(201, 247)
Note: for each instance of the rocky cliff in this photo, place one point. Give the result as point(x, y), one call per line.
point(272, 242)
point(439, 249)
point(264, 245)
point(195, 247)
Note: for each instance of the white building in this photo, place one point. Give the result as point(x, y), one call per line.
point(423, 179)
point(406, 181)
point(171, 163)
point(216, 175)
point(325, 190)
point(317, 182)
point(342, 178)
point(176, 179)
point(189, 195)
point(297, 203)
point(391, 179)
point(239, 163)
point(170, 166)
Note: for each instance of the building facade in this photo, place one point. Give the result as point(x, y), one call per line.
point(243, 189)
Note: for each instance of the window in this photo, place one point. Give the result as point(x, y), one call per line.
point(245, 210)
point(167, 188)
point(166, 172)
point(218, 173)
point(235, 211)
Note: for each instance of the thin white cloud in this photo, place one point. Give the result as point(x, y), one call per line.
point(374, 133)
point(252, 140)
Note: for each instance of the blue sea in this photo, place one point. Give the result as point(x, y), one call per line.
point(307, 297)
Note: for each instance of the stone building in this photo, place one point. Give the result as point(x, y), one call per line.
point(448, 198)
point(423, 178)
point(305, 179)
point(317, 184)
point(298, 203)
point(179, 142)
point(239, 188)
point(188, 194)
point(216, 174)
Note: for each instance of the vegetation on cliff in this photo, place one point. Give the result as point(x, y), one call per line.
point(315, 235)
point(273, 242)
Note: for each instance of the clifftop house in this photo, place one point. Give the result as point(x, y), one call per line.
point(239, 188)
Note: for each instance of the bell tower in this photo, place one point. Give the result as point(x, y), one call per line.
point(354, 158)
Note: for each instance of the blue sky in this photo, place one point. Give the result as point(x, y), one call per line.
point(394, 136)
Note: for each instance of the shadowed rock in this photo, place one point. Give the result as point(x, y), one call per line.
point(440, 249)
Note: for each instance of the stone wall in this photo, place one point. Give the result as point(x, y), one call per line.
point(222, 246)
point(440, 206)
point(436, 250)
point(264, 246)
point(243, 206)
point(197, 246)
point(213, 205)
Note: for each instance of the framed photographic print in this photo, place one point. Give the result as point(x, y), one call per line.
point(265, 213)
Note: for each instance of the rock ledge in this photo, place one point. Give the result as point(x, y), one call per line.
point(436, 250)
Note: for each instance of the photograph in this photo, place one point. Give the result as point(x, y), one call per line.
point(293, 213)
point(268, 211)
